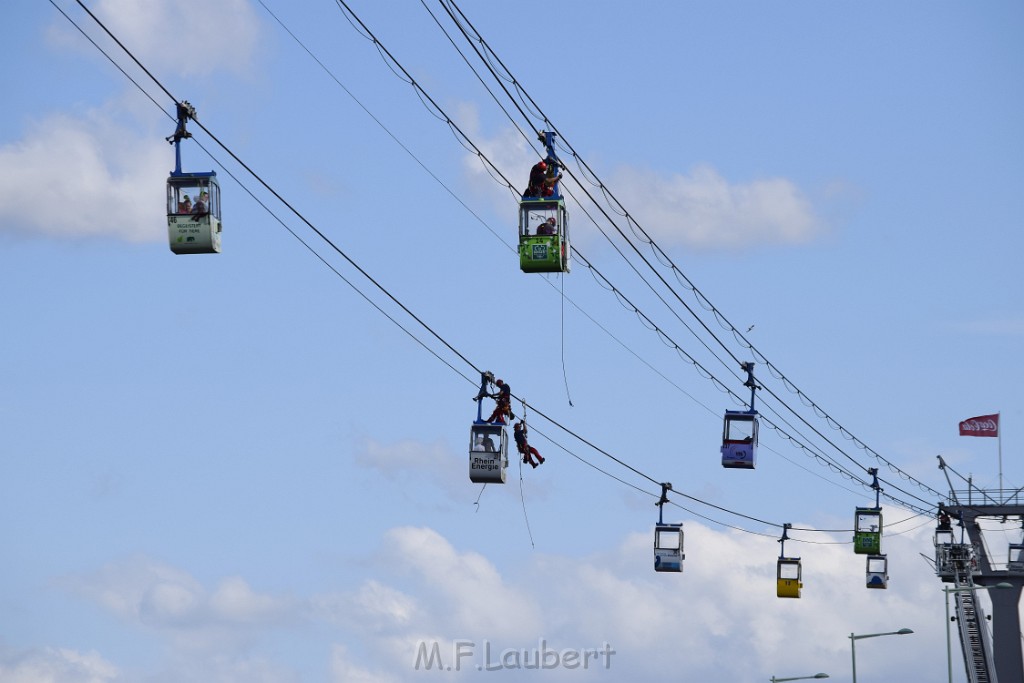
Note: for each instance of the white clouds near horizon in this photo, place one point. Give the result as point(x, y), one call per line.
point(55, 665)
point(424, 588)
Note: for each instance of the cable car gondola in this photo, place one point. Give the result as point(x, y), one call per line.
point(193, 200)
point(739, 433)
point(542, 211)
point(488, 443)
point(488, 454)
point(867, 523)
point(877, 571)
point(788, 576)
point(867, 533)
point(668, 540)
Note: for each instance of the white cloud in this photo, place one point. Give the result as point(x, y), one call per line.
point(372, 608)
point(425, 590)
point(508, 151)
point(55, 665)
point(471, 594)
point(344, 671)
point(235, 601)
point(723, 602)
point(391, 460)
point(92, 174)
point(141, 590)
point(702, 209)
point(86, 177)
point(147, 592)
point(434, 463)
point(186, 39)
point(377, 599)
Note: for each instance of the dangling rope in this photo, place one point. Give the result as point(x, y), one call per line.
point(477, 501)
point(565, 378)
point(522, 496)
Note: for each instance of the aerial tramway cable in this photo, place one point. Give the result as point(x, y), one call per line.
point(384, 290)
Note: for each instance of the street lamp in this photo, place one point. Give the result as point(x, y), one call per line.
point(798, 678)
point(947, 591)
point(855, 638)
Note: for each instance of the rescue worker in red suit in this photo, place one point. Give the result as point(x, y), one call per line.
point(526, 450)
point(541, 184)
point(503, 403)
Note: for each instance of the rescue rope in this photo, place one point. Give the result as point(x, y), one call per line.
point(522, 496)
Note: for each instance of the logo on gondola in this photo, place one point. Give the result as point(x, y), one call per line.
point(540, 252)
point(487, 464)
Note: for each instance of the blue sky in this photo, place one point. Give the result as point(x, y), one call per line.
point(234, 468)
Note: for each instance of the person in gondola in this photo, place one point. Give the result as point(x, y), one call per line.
point(541, 184)
point(525, 449)
point(185, 206)
point(547, 227)
point(503, 403)
point(201, 207)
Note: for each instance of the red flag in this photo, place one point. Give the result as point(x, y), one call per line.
point(983, 425)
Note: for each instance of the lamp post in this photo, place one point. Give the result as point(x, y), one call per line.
point(855, 638)
point(798, 678)
point(947, 591)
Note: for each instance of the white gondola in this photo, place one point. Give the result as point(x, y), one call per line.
point(193, 199)
point(739, 439)
point(668, 547)
point(668, 538)
point(488, 441)
point(193, 213)
point(877, 571)
point(739, 433)
point(488, 453)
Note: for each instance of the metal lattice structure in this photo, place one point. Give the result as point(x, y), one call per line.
point(963, 559)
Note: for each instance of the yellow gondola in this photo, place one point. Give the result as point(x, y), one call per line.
point(788, 577)
point(788, 574)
